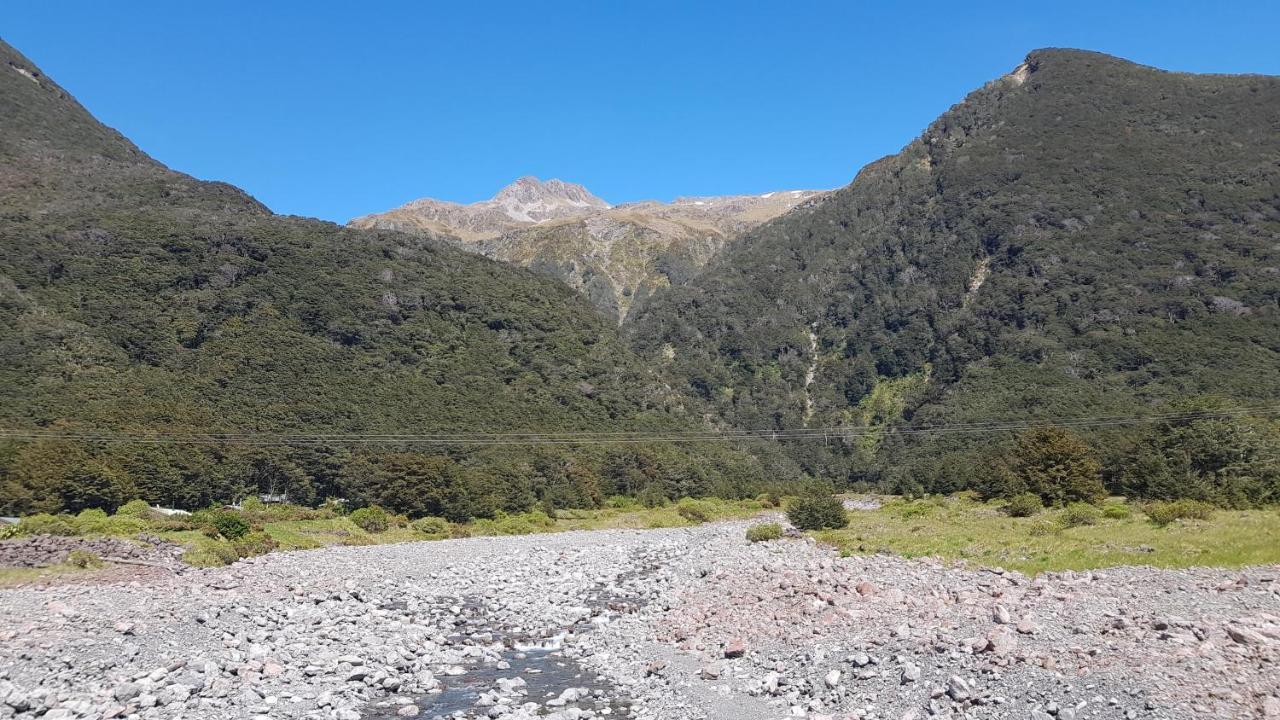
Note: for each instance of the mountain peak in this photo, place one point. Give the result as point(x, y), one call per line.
point(529, 194)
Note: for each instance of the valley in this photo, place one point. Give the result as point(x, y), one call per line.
point(989, 432)
point(675, 623)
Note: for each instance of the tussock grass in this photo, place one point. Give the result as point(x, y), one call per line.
point(960, 528)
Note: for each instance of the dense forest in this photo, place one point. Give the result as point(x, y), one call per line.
point(1082, 238)
point(135, 300)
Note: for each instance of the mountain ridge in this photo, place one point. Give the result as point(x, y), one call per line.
point(615, 255)
point(138, 301)
point(1053, 245)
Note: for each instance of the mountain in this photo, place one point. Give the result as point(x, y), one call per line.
point(616, 256)
point(1082, 237)
point(136, 300)
point(527, 201)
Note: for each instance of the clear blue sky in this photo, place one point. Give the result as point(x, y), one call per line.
point(336, 109)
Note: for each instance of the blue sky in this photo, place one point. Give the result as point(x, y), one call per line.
point(336, 109)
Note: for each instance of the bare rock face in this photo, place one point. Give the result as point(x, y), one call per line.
point(615, 255)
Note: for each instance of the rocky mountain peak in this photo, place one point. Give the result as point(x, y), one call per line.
point(529, 199)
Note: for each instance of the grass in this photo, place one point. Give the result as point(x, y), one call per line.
point(958, 528)
point(10, 577)
point(309, 534)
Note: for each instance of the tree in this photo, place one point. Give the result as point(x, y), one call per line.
point(1053, 463)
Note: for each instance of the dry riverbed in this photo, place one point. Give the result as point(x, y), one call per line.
point(673, 623)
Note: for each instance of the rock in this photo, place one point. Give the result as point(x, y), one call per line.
point(1001, 615)
point(736, 648)
point(1244, 635)
point(1001, 642)
point(1027, 627)
point(408, 711)
point(832, 679)
point(1271, 707)
point(125, 692)
point(860, 659)
point(958, 689)
point(910, 673)
point(710, 672)
point(866, 588)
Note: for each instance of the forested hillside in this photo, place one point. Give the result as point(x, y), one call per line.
point(136, 300)
point(1083, 237)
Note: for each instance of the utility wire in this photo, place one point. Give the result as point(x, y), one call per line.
point(607, 438)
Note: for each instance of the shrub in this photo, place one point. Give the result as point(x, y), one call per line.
point(761, 533)
point(83, 559)
point(371, 519)
point(137, 509)
point(214, 555)
point(1053, 463)
point(1041, 528)
point(431, 527)
point(1116, 511)
point(817, 512)
point(695, 511)
point(45, 524)
point(1079, 514)
point(229, 524)
point(97, 522)
point(360, 539)
point(1163, 513)
point(1024, 505)
point(254, 543)
point(770, 499)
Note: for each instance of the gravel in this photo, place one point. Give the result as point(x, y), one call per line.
point(679, 623)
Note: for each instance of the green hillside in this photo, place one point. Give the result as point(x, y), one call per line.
point(137, 300)
point(1082, 237)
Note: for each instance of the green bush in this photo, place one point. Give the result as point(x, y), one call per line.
point(137, 509)
point(97, 522)
point(1116, 511)
point(1079, 514)
point(1024, 505)
point(1163, 513)
point(695, 511)
point(83, 559)
point(229, 524)
point(254, 543)
point(761, 533)
point(817, 512)
point(431, 527)
point(46, 524)
point(371, 519)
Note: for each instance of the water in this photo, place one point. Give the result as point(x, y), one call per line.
point(539, 661)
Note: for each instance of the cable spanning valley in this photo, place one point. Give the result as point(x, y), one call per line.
point(609, 438)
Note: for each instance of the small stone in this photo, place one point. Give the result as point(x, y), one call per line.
point(958, 689)
point(736, 648)
point(408, 711)
point(910, 673)
point(832, 679)
point(866, 588)
point(1001, 615)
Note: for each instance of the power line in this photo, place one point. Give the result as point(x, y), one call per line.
point(607, 438)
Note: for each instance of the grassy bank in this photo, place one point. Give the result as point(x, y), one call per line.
point(958, 528)
point(273, 529)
